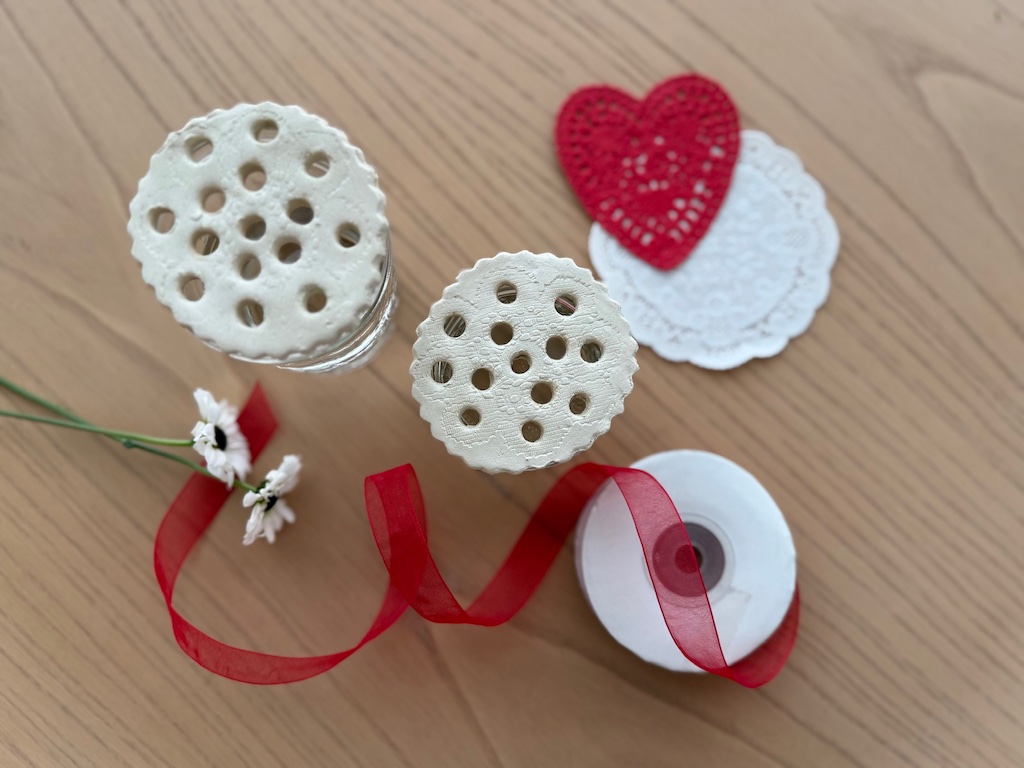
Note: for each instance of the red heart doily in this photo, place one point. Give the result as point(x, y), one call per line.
point(653, 173)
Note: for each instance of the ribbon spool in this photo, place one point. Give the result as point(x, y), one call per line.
point(263, 230)
point(741, 542)
point(522, 363)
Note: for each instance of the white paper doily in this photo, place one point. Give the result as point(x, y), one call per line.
point(755, 280)
point(522, 363)
point(262, 229)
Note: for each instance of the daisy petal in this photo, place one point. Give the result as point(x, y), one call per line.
point(270, 512)
point(284, 511)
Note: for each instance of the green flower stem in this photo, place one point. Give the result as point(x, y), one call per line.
point(129, 440)
point(188, 463)
point(69, 416)
point(85, 427)
point(40, 401)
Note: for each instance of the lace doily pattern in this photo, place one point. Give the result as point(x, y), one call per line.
point(753, 283)
point(262, 229)
point(522, 363)
point(653, 173)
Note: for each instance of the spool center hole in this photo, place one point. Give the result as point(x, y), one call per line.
point(674, 557)
point(699, 556)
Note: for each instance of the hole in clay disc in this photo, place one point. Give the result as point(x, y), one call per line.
point(521, 363)
point(470, 417)
point(481, 378)
point(542, 393)
point(591, 352)
point(532, 431)
point(501, 333)
point(205, 242)
point(199, 148)
point(507, 293)
point(192, 288)
point(578, 404)
point(348, 235)
point(556, 347)
point(441, 371)
point(289, 252)
point(250, 313)
point(253, 227)
point(317, 165)
point(253, 176)
point(455, 325)
point(316, 299)
point(213, 199)
point(300, 211)
point(249, 266)
point(565, 305)
point(161, 219)
point(264, 131)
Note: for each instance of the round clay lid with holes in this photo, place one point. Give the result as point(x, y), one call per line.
point(522, 363)
point(262, 229)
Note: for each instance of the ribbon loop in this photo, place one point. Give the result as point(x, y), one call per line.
point(395, 507)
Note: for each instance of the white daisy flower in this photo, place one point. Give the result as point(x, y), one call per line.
point(218, 439)
point(269, 510)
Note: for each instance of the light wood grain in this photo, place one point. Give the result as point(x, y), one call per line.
point(892, 434)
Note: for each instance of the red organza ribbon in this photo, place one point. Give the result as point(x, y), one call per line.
point(398, 519)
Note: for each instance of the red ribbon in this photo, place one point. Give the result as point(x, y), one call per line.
point(398, 519)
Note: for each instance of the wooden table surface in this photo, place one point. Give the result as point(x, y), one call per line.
point(891, 434)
